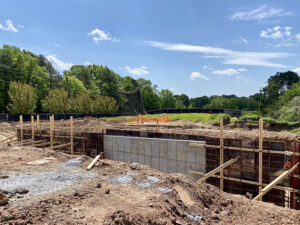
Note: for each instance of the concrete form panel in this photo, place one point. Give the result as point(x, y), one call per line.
point(148, 160)
point(141, 159)
point(127, 157)
point(121, 156)
point(180, 151)
point(163, 165)
point(133, 157)
point(148, 150)
point(155, 163)
point(115, 155)
point(155, 147)
point(163, 149)
point(180, 167)
point(171, 166)
point(169, 156)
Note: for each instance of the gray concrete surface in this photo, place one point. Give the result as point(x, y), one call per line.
point(165, 155)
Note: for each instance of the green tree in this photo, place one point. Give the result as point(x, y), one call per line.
point(179, 104)
point(199, 102)
point(81, 104)
point(22, 98)
point(105, 104)
point(73, 86)
point(278, 84)
point(150, 94)
point(167, 99)
point(57, 101)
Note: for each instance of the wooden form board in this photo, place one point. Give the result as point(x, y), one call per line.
point(222, 154)
point(260, 172)
point(32, 127)
point(21, 128)
point(72, 135)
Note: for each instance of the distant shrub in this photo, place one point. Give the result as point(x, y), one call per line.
point(215, 118)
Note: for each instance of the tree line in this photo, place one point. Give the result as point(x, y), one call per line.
point(30, 84)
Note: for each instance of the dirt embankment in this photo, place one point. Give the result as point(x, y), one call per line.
point(120, 193)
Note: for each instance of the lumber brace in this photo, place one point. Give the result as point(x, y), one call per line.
point(102, 155)
point(213, 172)
point(274, 182)
point(61, 146)
point(31, 142)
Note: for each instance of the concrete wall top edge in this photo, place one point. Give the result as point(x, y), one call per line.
point(145, 138)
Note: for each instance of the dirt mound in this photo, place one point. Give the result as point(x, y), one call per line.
point(128, 193)
point(3, 199)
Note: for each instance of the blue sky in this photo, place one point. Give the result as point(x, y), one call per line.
point(189, 46)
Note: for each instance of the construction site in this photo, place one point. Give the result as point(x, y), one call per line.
point(146, 170)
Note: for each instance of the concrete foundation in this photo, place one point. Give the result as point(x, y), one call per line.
point(165, 155)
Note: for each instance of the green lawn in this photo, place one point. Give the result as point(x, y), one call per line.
point(194, 117)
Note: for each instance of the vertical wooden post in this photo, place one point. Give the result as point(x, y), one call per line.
point(221, 154)
point(156, 124)
point(71, 127)
point(32, 127)
point(51, 130)
point(38, 122)
point(21, 128)
point(260, 156)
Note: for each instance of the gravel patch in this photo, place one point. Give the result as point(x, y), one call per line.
point(153, 179)
point(67, 175)
point(143, 184)
point(126, 179)
point(163, 190)
point(38, 183)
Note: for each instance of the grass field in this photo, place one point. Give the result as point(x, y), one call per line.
point(194, 117)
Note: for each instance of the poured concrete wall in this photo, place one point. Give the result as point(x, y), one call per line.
point(165, 155)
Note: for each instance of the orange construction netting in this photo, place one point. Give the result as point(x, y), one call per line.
point(142, 119)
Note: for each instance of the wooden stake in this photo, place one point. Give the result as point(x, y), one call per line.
point(21, 127)
point(72, 136)
point(32, 127)
point(221, 154)
point(213, 172)
point(260, 156)
point(51, 130)
point(93, 162)
point(274, 182)
point(38, 121)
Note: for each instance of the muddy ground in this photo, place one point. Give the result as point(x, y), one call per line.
point(116, 193)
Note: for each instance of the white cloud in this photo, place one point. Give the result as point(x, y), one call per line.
point(297, 70)
point(277, 32)
point(205, 67)
point(242, 69)
point(229, 71)
point(260, 13)
point(229, 56)
point(241, 79)
point(297, 37)
point(101, 35)
point(59, 64)
point(244, 40)
point(87, 63)
point(9, 26)
point(137, 71)
point(197, 75)
point(241, 40)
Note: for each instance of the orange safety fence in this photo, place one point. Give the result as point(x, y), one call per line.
point(142, 119)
